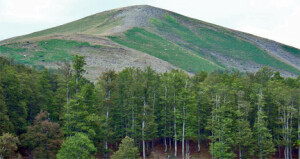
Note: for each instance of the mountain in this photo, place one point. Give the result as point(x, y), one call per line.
point(139, 36)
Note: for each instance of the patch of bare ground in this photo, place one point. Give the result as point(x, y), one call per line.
point(244, 66)
point(110, 56)
point(273, 48)
point(158, 152)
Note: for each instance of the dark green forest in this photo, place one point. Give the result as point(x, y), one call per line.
point(60, 114)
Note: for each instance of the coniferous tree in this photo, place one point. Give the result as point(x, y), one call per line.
point(81, 110)
point(78, 146)
point(82, 117)
point(14, 99)
point(43, 137)
point(127, 150)
point(221, 125)
point(107, 84)
point(264, 145)
point(9, 146)
point(5, 124)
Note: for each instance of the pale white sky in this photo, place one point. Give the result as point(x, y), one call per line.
point(278, 20)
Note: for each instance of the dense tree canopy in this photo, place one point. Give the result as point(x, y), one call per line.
point(234, 114)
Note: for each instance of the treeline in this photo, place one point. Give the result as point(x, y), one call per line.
point(48, 115)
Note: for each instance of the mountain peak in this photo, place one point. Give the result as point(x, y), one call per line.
point(143, 7)
point(136, 16)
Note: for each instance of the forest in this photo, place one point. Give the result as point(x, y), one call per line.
point(60, 114)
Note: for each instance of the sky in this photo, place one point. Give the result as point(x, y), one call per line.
point(278, 20)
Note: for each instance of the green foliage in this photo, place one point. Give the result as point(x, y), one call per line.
point(78, 63)
point(127, 150)
point(8, 146)
point(78, 146)
point(5, 124)
point(81, 112)
point(16, 105)
point(43, 137)
point(265, 146)
point(81, 118)
point(240, 115)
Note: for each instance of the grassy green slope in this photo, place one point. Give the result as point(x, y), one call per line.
point(221, 42)
point(53, 50)
point(150, 43)
point(94, 24)
point(291, 50)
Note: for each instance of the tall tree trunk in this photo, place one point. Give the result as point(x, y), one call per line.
point(183, 125)
point(199, 128)
point(166, 146)
point(143, 127)
point(258, 120)
point(106, 137)
point(175, 133)
point(239, 126)
point(107, 99)
point(68, 109)
point(298, 130)
point(165, 140)
point(153, 109)
point(170, 143)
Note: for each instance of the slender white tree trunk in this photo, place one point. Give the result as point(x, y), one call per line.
point(165, 140)
point(68, 108)
point(183, 154)
point(153, 109)
point(107, 116)
point(258, 120)
point(239, 127)
point(183, 124)
point(175, 133)
point(199, 130)
point(143, 127)
point(299, 130)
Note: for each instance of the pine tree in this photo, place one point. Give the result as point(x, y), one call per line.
point(78, 64)
point(16, 106)
point(264, 145)
point(221, 124)
point(244, 136)
point(127, 150)
point(82, 117)
point(81, 110)
point(165, 116)
point(43, 137)
point(108, 88)
point(5, 124)
point(9, 146)
point(78, 146)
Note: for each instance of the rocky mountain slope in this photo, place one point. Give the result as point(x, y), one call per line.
point(139, 36)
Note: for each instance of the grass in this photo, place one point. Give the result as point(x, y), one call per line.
point(54, 50)
point(78, 26)
point(219, 41)
point(145, 41)
point(292, 50)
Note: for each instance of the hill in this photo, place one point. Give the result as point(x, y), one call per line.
point(139, 36)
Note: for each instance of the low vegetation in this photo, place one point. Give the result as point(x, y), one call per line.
point(50, 51)
point(141, 39)
point(218, 41)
